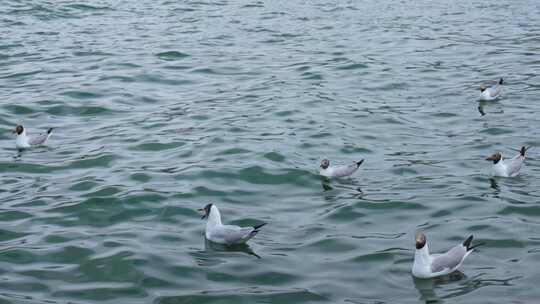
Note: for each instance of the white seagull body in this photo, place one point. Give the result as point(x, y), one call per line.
point(492, 92)
point(24, 141)
point(338, 171)
point(428, 265)
point(507, 168)
point(226, 234)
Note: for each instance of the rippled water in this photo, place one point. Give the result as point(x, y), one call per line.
point(162, 107)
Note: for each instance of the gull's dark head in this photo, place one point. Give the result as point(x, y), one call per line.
point(206, 211)
point(420, 240)
point(18, 130)
point(482, 88)
point(495, 157)
point(325, 163)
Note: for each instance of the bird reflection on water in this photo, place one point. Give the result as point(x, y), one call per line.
point(243, 248)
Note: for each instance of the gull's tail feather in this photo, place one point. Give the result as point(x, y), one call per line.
point(359, 163)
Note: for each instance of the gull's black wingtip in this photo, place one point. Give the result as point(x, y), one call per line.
point(467, 242)
point(359, 163)
point(501, 81)
point(258, 226)
point(523, 150)
point(50, 130)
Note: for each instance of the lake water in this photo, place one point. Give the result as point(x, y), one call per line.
point(160, 107)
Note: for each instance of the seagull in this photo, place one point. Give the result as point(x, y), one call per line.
point(492, 92)
point(509, 168)
point(428, 265)
point(338, 171)
point(226, 234)
point(24, 141)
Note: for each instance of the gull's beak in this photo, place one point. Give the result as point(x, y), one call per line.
point(204, 215)
point(14, 131)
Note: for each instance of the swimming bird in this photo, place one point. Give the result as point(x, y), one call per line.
point(509, 168)
point(226, 234)
point(492, 92)
point(24, 141)
point(428, 265)
point(338, 171)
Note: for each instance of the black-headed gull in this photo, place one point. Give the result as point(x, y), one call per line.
point(491, 92)
point(428, 265)
point(226, 234)
point(338, 171)
point(24, 141)
point(508, 168)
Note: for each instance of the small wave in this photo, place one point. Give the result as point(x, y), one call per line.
point(172, 55)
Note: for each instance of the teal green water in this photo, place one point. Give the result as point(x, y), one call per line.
point(161, 107)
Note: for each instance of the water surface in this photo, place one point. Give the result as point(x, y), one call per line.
point(162, 107)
